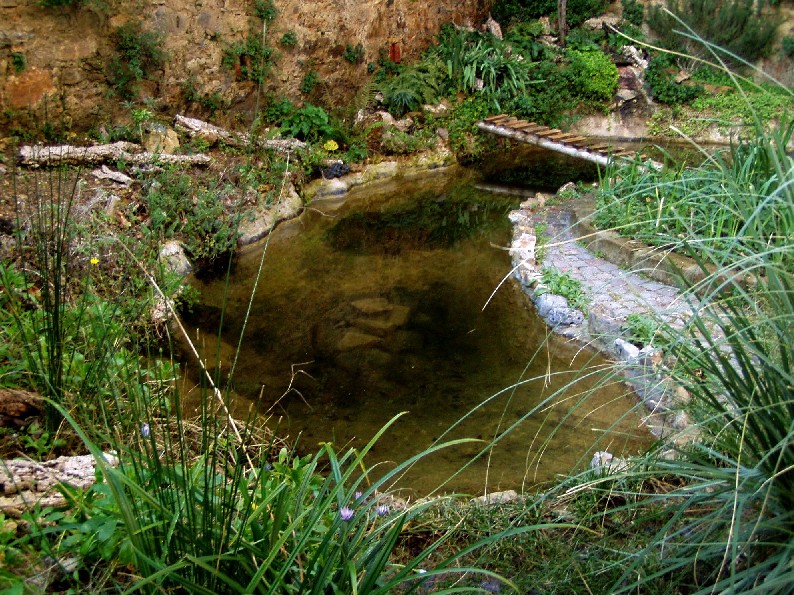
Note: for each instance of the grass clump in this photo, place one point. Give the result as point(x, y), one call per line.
point(138, 56)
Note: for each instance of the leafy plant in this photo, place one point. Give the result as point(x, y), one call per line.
point(18, 62)
point(310, 80)
point(308, 123)
point(633, 11)
point(558, 283)
point(138, 54)
point(788, 45)
point(660, 76)
point(265, 10)
point(735, 26)
point(354, 54)
point(641, 328)
point(593, 74)
point(250, 58)
point(289, 39)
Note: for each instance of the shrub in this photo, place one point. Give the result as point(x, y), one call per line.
point(633, 12)
point(138, 55)
point(289, 39)
point(310, 80)
point(354, 54)
point(250, 58)
point(734, 25)
point(660, 76)
point(578, 11)
point(593, 75)
point(310, 123)
point(18, 62)
point(788, 45)
point(265, 10)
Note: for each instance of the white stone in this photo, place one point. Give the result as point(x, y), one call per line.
point(625, 351)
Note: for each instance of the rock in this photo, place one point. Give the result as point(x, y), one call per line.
point(607, 21)
point(442, 133)
point(492, 27)
point(160, 139)
point(626, 94)
point(564, 316)
point(497, 498)
point(523, 248)
point(356, 340)
point(626, 351)
point(606, 462)
point(567, 187)
point(105, 173)
point(372, 305)
point(396, 318)
point(266, 217)
point(174, 259)
point(546, 301)
point(19, 407)
point(681, 420)
point(634, 56)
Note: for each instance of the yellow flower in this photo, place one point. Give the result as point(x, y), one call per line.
point(95, 261)
point(330, 146)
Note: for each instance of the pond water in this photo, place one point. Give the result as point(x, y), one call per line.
point(385, 303)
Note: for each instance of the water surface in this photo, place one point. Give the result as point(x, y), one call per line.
point(377, 306)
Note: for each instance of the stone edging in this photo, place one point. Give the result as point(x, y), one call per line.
point(644, 370)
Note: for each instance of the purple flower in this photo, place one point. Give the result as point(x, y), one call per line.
point(346, 513)
point(382, 510)
point(145, 430)
point(357, 495)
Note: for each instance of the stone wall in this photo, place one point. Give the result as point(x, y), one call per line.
point(66, 50)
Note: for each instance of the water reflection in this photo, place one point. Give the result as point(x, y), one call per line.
point(375, 306)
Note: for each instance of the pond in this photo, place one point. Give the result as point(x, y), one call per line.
point(392, 300)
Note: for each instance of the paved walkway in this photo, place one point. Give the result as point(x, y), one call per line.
point(614, 292)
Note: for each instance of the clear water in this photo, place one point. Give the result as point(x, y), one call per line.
point(386, 303)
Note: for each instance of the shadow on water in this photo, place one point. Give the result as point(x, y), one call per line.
point(375, 305)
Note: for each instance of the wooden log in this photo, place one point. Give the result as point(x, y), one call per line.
point(495, 119)
point(25, 483)
point(547, 133)
point(534, 129)
point(215, 134)
point(43, 156)
point(18, 408)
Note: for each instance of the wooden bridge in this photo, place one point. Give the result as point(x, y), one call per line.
point(555, 140)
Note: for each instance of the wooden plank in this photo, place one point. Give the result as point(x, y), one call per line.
point(518, 124)
point(528, 125)
point(492, 119)
point(623, 153)
point(548, 132)
point(598, 148)
point(534, 129)
point(575, 140)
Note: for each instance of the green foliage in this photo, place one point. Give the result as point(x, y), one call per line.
point(414, 85)
point(734, 25)
point(196, 215)
point(593, 74)
point(310, 123)
point(733, 205)
point(138, 54)
point(633, 12)
point(788, 45)
point(212, 102)
point(558, 283)
point(310, 80)
point(524, 38)
point(18, 62)
point(265, 10)
point(578, 11)
point(546, 102)
point(584, 40)
point(660, 76)
point(354, 54)
point(404, 143)
point(250, 58)
point(60, 3)
point(276, 109)
point(289, 39)
point(642, 329)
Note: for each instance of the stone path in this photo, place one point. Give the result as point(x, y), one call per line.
point(614, 292)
